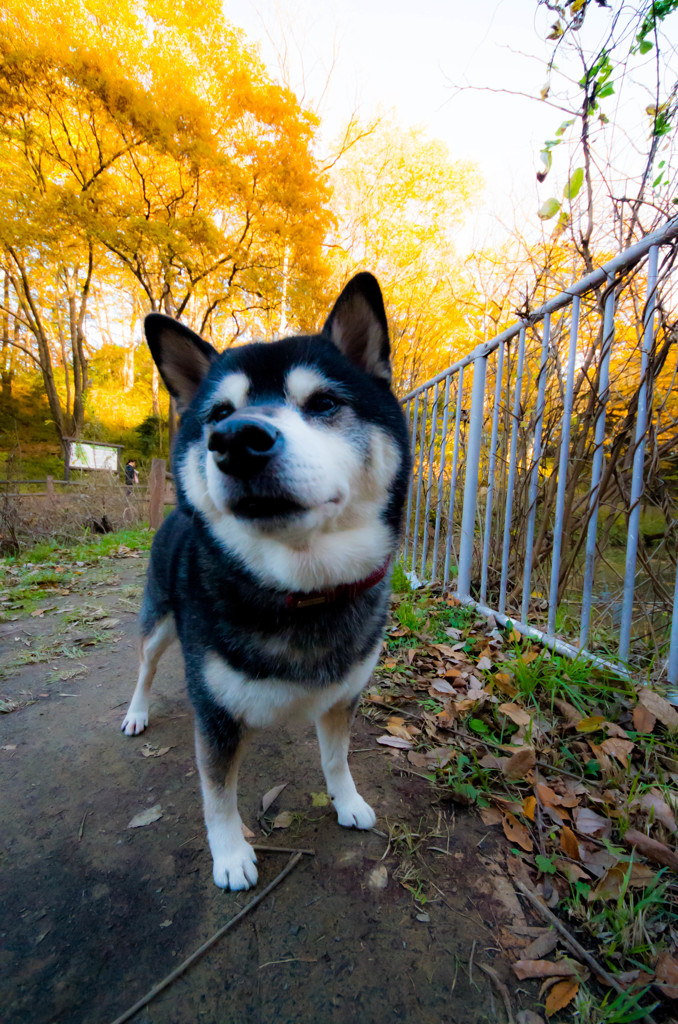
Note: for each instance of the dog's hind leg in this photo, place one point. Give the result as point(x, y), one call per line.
point(234, 859)
point(333, 730)
point(152, 647)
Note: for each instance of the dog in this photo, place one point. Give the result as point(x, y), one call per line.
point(291, 465)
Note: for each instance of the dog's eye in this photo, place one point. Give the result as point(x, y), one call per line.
point(322, 403)
point(221, 412)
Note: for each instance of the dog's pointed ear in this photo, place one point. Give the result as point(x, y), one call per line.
point(357, 325)
point(181, 356)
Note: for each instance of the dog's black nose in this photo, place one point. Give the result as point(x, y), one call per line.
point(244, 445)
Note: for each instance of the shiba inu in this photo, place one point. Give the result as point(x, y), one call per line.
point(291, 466)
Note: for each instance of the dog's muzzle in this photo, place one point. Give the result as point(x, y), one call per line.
point(245, 445)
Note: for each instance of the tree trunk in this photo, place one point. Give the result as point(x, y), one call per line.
point(64, 359)
point(22, 288)
point(5, 359)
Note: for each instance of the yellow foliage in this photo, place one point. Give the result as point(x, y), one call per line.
point(400, 198)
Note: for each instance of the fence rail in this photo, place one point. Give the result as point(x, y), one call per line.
point(545, 475)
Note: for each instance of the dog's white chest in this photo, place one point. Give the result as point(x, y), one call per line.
point(259, 703)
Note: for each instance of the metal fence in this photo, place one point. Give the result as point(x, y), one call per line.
point(546, 468)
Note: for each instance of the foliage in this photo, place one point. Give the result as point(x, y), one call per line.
point(400, 199)
point(197, 197)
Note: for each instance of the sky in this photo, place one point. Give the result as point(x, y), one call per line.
point(419, 61)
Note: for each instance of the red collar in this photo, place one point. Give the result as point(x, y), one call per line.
point(307, 599)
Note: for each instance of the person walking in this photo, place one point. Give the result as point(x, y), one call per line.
point(131, 475)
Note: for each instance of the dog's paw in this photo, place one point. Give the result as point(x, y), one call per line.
point(355, 812)
point(134, 722)
point(236, 869)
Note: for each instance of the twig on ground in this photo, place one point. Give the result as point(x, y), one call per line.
point(576, 948)
point(502, 990)
point(470, 962)
point(166, 982)
point(282, 849)
point(82, 825)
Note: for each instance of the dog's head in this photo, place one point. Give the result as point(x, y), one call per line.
point(294, 451)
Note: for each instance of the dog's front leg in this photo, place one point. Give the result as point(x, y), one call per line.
point(333, 735)
point(233, 857)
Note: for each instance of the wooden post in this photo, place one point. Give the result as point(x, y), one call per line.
point(156, 494)
point(49, 487)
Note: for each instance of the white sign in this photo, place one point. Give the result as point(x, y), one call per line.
point(91, 456)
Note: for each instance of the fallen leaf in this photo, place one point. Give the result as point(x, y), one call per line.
point(590, 823)
point(283, 820)
point(446, 651)
point(484, 664)
point(491, 815)
point(621, 749)
point(643, 720)
point(146, 817)
point(592, 724)
point(515, 713)
point(658, 853)
point(610, 885)
point(529, 807)
point(660, 708)
point(570, 713)
point(520, 764)
point(546, 969)
point(666, 977)
point(515, 832)
point(542, 945)
point(268, 798)
point(503, 683)
point(166, 923)
point(442, 686)
point(612, 729)
point(321, 799)
point(569, 843)
point(399, 730)
point(494, 762)
point(436, 758)
point(560, 995)
point(655, 805)
point(572, 872)
point(529, 1017)
point(247, 832)
point(394, 741)
point(147, 750)
point(547, 796)
point(378, 878)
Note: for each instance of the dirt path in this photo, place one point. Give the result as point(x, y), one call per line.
point(95, 913)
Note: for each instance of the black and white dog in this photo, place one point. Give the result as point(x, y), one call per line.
point(291, 466)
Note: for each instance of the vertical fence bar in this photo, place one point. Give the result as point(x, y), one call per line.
point(475, 433)
point(597, 468)
point(453, 480)
point(441, 473)
point(411, 485)
point(422, 444)
point(637, 485)
point(513, 455)
point(429, 479)
point(562, 466)
point(534, 472)
point(673, 648)
point(490, 473)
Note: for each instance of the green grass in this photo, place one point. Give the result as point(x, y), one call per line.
point(89, 549)
point(40, 572)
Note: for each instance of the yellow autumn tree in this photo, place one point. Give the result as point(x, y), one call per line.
point(400, 199)
point(150, 139)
